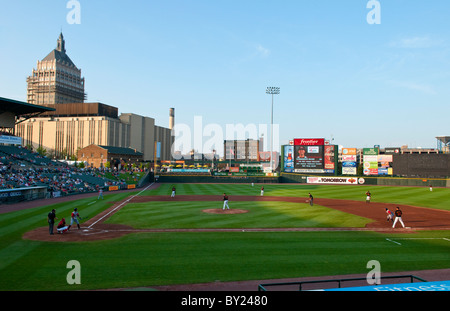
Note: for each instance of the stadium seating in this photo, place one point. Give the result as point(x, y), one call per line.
point(20, 167)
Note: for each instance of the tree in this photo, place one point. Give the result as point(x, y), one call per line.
point(42, 151)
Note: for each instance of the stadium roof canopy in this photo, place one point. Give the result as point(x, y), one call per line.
point(11, 111)
point(21, 108)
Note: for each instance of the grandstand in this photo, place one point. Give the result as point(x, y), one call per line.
point(28, 175)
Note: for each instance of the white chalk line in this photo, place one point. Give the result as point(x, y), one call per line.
point(125, 202)
point(398, 243)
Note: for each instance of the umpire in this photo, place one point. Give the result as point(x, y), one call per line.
point(51, 221)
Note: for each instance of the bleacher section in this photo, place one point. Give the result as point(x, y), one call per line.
point(21, 168)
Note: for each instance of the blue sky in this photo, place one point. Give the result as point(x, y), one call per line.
point(340, 78)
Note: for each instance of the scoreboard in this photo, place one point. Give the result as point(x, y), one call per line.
point(309, 155)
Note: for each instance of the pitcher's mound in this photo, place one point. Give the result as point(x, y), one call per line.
point(227, 211)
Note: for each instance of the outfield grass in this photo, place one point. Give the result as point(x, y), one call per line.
point(439, 198)
point(150, 259)
point(190, 215)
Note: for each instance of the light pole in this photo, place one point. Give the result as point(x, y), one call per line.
point(272, 91)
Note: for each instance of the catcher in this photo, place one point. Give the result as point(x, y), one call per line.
point(62, 227)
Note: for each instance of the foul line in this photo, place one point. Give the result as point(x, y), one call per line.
point(445, 239)
point(130, 198)
point(394, 241)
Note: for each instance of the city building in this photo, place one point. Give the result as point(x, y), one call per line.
point(242, 150)
point(73, 124)
point(56, 79)
point(108, 156)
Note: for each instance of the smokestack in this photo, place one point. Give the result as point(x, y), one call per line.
point(171, 118)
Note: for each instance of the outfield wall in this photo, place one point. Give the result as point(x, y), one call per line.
point(303, 179)
point(381, 181)
point(215, 179)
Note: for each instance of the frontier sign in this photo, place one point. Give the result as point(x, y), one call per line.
point(309, 142)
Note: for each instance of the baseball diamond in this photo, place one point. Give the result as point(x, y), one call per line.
point(313, 242)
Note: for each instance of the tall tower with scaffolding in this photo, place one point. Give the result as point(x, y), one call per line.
point(56, 79)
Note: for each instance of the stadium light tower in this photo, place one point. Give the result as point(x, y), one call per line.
point(272, 91)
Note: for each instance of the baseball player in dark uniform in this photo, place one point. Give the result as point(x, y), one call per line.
point(225, 201)
point(398, 217)
point(51, 221)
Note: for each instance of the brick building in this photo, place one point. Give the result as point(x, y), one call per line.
point(98, 156)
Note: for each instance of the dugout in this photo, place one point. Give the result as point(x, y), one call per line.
point(22, 194)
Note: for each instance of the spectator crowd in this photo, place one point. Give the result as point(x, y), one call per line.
point(21, 168)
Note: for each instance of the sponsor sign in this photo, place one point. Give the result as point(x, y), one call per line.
point(370, 171)
point(370, 158)
point(10, 140)
point(385, 158)
point(331, 180)
point(370, 163)
point(439, 286)
point(349, 158)
point(392, 150)
point(329, 155)
point(348, 151)
point(370, 151)
point(383, 171)
point(309, 141)
point(349, 170)
point(348, 164)
point(194, 170)
point(289, 159)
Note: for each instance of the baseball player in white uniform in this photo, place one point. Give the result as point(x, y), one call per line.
point(74, 217)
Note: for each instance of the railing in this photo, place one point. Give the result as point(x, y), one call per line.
point(262, 287)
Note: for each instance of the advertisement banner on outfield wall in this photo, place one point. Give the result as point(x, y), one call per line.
point(349, 165)
point(288, 158)
point(370, 161)
point(332, 180)
point(329, 158)
point(309, 141)
point(370, 151)
point(349, 170)
point(349, 158)
point(349, 151)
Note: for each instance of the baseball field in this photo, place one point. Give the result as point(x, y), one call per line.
point(146, 239)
